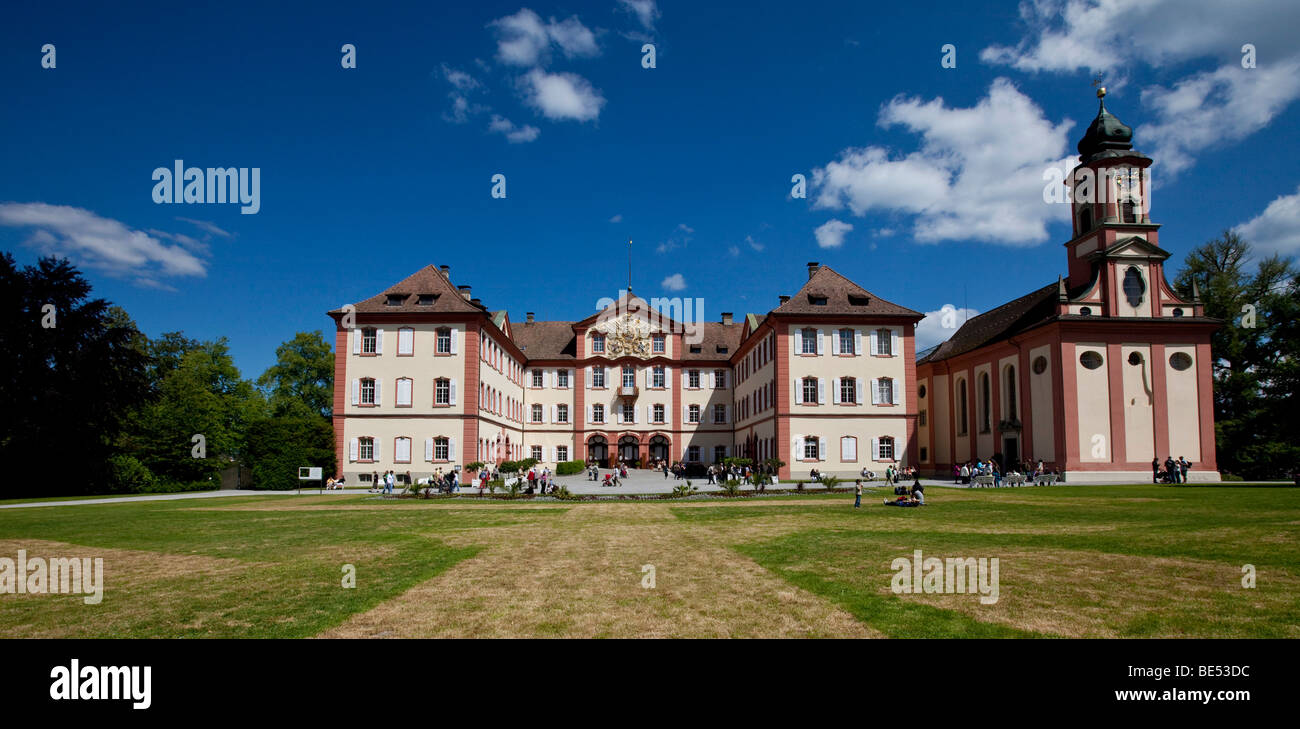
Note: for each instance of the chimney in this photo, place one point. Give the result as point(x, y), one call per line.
point(812, 268)
point(446, 271)
point(784, 298)
point(464, 292)
point(476, 302)
point(530, 317)
point(726, 318)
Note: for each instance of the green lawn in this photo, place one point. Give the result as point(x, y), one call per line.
point(1075, 561)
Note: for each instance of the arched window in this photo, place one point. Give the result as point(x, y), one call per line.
point(985, 405)
point(1085, 220)
point(961, 407)
point(1134, 287)
point(1011, 392)
point(1128, 211)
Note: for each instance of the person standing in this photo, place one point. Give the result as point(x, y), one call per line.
point(1184, 466)
point(857, 494)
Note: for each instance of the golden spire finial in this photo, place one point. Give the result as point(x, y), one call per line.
point(1101, 90)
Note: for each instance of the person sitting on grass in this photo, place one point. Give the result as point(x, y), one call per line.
point(918, 493)
point(903, 501)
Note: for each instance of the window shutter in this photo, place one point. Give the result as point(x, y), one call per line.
point(455, 339)
point(857, 341)
point(871, 343)
point(875, 449)
point(893, 393)
point(544, 420)
point(875, 392)
point(353, 448)
point(587, 370)
point(451, 449)
point(821, 449)
point(636, 413)
point(893, 350)
point(451, 391)
point(686, 414)
point(668, 378)
point(798, 449)
point(821, 391)
point(379, 386)
point(798, 392)
point(590, 414)
point(555, 413)
point(647, 376)
point(379, 341)
point(356, 392)
point(378, 443)
point(667, 414)
point(798, 341)
point(356, 341)
point(835, 342)
point(726, 413)
point(835, 391)
point(820, 348)
point(428, 449)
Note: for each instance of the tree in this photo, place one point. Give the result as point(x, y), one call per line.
point(301, 381)
point(278, 446)
point(72, 369)
point(1255, 352)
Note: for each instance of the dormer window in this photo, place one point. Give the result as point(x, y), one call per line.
point(427, 299)
point(722, 349)
point(395, 300)
point(859, 300)
point(817, 300)
point(696, 349)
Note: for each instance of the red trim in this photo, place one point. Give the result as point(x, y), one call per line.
point(1115, 381)
point(341, 386)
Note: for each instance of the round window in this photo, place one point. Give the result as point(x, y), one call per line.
point(1040, 365)
point(1180, 361)
point(1178, 312)
point(1090, 359)
point(1134, 358)
point(1085, 311)
point(920, 391)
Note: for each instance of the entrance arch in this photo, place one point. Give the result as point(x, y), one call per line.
point(629, 449)
point(597, 448)
point(659, 448)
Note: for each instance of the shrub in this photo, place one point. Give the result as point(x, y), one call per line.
point(568, 468)
point(683, 490)
point(731, 487)
point(562, 493)
point(829, 482)
point(127, 474)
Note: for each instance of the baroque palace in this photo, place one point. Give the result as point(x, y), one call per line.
point(427, 377)
point(1095, 374)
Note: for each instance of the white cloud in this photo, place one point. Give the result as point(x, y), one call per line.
point(560, 96)
point(105, 244)
point(978, 174)
point(1216, 107)
point(1277, 229)
point(681, 237)
point(1111, 35)
point(207, 226)
point(524, 39)
point(675, 282)
point(938, 326)
point(831, 233)
point(461, 80)
point(617, 218)
point(514, 134)
point(755, 245)
point(645, 11)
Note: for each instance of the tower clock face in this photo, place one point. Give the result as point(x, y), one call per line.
point(1126, 180)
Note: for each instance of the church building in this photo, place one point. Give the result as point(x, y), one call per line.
point(1097, 373)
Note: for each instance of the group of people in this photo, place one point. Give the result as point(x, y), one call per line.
point(539, 481)
point(970, 470)
point(1173, 471)
point(915, 496)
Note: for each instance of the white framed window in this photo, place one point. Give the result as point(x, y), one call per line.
point(848, 390)
point(884, 391)
point(809, 390)
point(658, 376)
point(629, 376)
point(847, 342)
point(404, 387)
point(369, 341)
point(367, 391)
point(537, 378)
point(848, 448)
point(693, 453)
point(884, 342)
point(693, 414)
point(693, 379)
point(657, 344)
point(719, 379)
point(562, 415)
point(441, 448)
point(597, 376)
point(657, 412)
point(885, 449)
point(629, 413)
point(561, 378)
point(536, 413)
point(402, 450)
point(810, 448)
point(597, 413)
point(598, 343)
point(365, 449)
point(442, 341)
point(562, 453)
point(442, 391)
point(719, 413)
point(405, 341)
point(536, 453)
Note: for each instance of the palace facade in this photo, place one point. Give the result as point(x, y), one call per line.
point(427, 377)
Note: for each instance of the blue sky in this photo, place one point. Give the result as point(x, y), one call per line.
point(367, 174)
